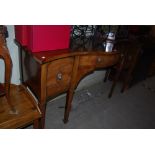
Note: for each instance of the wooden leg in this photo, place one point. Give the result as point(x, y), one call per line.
point(8, 72)
point(71, 91)
point(128, 78)
point(125, 87)
point(42, 119)
point(114, 84)
point(68, 105)
point(118, 72)
point(126, 82)
point(107, 75)
point(37, 124)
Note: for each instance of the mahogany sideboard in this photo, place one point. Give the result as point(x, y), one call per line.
point(50, 73)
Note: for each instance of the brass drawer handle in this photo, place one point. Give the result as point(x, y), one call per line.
point(99, 59)
point(59, 76)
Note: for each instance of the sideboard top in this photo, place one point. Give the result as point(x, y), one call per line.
point(47, 56)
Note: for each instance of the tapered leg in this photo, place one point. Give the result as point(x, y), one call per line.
point(71, 91)
point(68, 105)
point(118, 72)
point(40, 123)
point(8, 72)
point(37, 124)
point(8, 69)
point(126, 82)
point(107, 75)
point(42, 119)
point(114, 84)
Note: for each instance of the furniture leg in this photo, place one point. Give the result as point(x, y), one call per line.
point(127, 80)
point(116, 77)
point(37, 124)
point(68, 105)
point(107, 75)
point(8, 71)
point(42, 119)
point(114, 84)
point(71, 90)
point(130, 71)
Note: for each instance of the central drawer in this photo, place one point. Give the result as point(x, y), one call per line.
point(87, 61)
point(59, 75)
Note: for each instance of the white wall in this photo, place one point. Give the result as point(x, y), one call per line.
point(88, 80)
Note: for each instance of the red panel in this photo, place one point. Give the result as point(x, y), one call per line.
point(43, 37)
point(49, 37)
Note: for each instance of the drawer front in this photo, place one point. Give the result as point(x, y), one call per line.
point(88, 61)
point(59, 76)
point(106, 60)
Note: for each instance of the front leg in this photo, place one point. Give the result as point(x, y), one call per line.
point(41, 121)
point(71, 89)
point(68, 105)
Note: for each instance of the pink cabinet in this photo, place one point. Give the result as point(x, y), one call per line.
point(43, 37)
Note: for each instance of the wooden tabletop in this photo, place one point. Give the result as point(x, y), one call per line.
point(47, 56)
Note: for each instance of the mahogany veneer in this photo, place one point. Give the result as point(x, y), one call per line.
point(50, 73)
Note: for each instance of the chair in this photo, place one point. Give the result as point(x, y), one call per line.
point(17, 107)
point(4, 54)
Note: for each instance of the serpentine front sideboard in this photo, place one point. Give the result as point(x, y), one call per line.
point(51, 73)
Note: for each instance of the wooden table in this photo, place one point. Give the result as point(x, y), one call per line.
point(51, 73)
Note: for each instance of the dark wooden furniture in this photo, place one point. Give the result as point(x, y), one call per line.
point(50, 73)
point(124, 70)
point(27, 111)
point(151, 70)
point(145, 66)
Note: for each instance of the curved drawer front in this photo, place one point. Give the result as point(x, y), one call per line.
point(106, 60)
point(87, 60)
point(59, 76)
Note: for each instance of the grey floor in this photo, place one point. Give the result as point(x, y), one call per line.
point(133, 109)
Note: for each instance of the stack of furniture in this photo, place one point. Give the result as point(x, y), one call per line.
point(124, 70)
point(137, 57)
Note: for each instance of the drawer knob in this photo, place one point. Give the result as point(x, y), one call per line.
point(99, 59)
point(59, 76)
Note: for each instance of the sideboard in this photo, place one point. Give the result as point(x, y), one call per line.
point(50, 73)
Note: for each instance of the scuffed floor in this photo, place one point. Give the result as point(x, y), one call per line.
point(92, 109)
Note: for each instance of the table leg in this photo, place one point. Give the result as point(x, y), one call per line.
point(68, 105)
point(42, 119)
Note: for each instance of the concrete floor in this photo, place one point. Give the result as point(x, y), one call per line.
point(133, 109)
